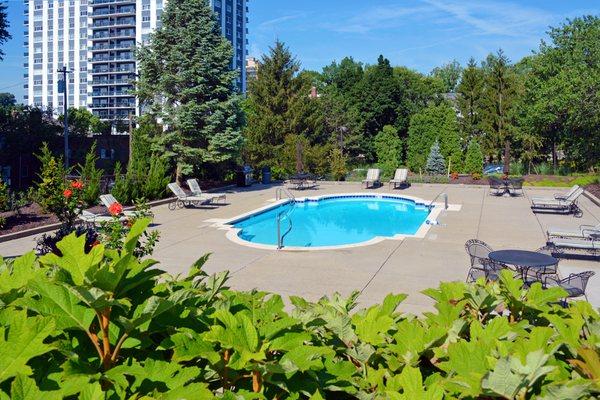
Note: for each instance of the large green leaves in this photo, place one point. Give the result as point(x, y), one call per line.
point(22, 339)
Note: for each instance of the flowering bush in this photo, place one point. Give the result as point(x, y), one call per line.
point(115, 209)
point(71, 205)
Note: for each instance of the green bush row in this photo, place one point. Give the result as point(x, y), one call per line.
point(107, 325)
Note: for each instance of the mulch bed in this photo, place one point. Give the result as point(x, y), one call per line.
point(31, 216)
point(594, 189)
point(468, 180)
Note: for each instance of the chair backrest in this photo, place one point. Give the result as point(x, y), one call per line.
point(478, 251)
point(177, 190)
point(108, 199)
point(494, 181)
point(581, 279)
point(401, 174)
point(573, 189)
point(517, 183)
point(373, 174)
point(194, 186)
point(575, 195)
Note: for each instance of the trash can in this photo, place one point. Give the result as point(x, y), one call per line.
point(266, 175)
point(244, 176)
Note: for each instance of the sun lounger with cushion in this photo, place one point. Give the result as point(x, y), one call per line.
point(583, 246)
point(583, 232)
point(108, 200)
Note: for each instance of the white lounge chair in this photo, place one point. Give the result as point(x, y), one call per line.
point(372, 179)
point(583, 232)
point(91, 218)
point(400, 178)
point(182, 199)
point(108, 200)
point(588, 247)
point(558, 196)
point(197, 191)
point(566, 206)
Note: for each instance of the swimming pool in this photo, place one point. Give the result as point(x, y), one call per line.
point(331, 221)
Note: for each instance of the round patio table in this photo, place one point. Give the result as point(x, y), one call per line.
point(523, 260)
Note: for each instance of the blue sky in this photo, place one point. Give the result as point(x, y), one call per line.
point(420, 34)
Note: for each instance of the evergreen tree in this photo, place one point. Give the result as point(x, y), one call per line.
point(474, 158)
point(499, 106)
point(435, 123)
point(186, 79)
point(278, 105)
point(470, 98)
point(4, 34)
point(435, 161)
point(388, 148)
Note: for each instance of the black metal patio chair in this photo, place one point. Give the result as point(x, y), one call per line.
point(497, 186)
point(515, 187)
point(574, 284)
point(481, 265)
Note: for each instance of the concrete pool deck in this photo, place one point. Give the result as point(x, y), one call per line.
point(391, 266)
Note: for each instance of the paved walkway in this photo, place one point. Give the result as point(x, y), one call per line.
point(406, 266)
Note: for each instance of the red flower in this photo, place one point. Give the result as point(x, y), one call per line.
point(77, 185)
point(68, 193)
point(115, 209)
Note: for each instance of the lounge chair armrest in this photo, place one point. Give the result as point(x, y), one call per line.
point(588, 226)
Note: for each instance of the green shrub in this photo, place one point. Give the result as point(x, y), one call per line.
point(517, 168)
point(4, 197)
point(2, 222)
point(49, 188)
point(155, 183)
point(338, 163)
point(474, 158)
point(543, 169)
point(91, 176)
point(388, 148)
point(115, 326)
point(122, 187)
point(435, 161)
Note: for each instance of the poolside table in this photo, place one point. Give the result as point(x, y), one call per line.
point(524, 260)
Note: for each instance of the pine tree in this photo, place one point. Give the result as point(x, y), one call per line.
point(278, 105)
point(474, 158)
point(470, 94)
point(186, 79)
point(436, 165)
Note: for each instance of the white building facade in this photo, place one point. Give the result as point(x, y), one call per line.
point(95, 40)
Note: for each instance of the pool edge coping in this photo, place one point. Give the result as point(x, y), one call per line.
point(232, 232)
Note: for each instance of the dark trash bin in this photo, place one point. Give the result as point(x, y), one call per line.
point(266, 176)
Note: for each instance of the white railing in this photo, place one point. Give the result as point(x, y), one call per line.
point(437, 197)
point(279, 192)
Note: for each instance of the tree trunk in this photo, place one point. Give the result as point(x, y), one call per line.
point(554, 156)
point(507, 157)
point(178, 174)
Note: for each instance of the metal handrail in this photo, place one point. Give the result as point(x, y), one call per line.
point(436, 197)
point(280, 191)
point(286, 214)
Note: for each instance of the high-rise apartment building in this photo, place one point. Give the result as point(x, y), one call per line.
point(95, 40)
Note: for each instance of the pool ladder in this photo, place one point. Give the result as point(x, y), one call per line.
point(282, 215)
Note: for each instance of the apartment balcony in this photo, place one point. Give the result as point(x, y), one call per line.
point(112, 58)
point(97, 2)
point(113, 11)
point(113, 46)
point(112, 82)
point(112, 93)
point(114, 34)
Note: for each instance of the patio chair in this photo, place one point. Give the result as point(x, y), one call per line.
point(532, 275)
point(481, 265)
point(372, 179)
point(583, 232)
point(515, 186)
point(497, 186)
point(584, 246)
point(566, 206)
point(562, 196)
point(574, 284)
point(197, 191)
point(400, 178)
point(108, 200)
point(95, 219)
point(184, 200)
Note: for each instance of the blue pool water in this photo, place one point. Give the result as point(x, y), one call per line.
point(334, 221)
